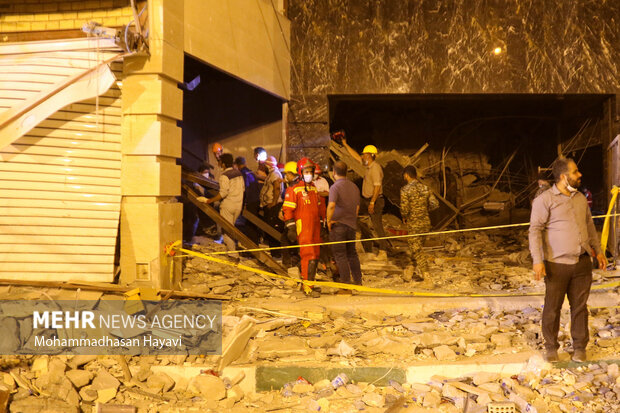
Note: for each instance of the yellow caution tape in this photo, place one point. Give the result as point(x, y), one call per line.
point(612, 204)
point(176, 246)
point(423, 234)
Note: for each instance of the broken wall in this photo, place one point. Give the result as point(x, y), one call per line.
point(353, 47)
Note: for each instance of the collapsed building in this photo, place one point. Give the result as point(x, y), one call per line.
point(107, 107)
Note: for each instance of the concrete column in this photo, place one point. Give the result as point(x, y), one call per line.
point(151, 142)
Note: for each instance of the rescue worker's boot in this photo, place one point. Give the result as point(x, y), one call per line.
point(312, 267)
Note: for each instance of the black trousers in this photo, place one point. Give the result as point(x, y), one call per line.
point(573, 281)
point(347, 261)
point(377, 222)
point(245, 226)
point(271, 217)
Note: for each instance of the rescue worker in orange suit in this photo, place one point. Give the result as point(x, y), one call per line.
point(304, 213)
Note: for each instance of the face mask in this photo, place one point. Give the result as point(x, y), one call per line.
point(569, 187)
point(308, 178)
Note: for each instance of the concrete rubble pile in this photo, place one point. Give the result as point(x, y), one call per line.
point(471, 262)
point(539, 388)
point(358, 339)
point(85, 383)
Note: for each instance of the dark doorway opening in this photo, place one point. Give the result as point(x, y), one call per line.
point(494, 125)
point(219, 107)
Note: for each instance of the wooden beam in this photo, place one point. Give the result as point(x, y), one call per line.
point(105, 287)
point(254, 219)
point(232, 231)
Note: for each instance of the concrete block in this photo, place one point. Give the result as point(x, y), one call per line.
point(164, 58)
point(150, 135)
point(145, 176)
point(146, 228)
point(152, 94)
point(166, 21)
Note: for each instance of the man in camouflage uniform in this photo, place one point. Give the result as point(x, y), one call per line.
point(416, 200)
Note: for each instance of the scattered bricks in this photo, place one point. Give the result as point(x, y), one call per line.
point(492, 387)
point(502, 340)
point(5, 393)
point(57, 367)
point(373, 399)
point(105, 395)
point(159, 382)
point(484, 377)
point(323, 384)
point(7, 380)
point(208, 386)
point(105, 380)
point(236, 393)
point(88, 394)
point(554, 391)
point(452, 392)
point(41, 404)
point(432, 399)
point(301, 388)
point(444, 353)
point(79, 378)
point(40, 366)
point(79, 361)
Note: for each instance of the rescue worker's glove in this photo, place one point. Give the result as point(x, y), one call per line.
point(291, 231)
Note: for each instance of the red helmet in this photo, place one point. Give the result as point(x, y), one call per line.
point(317, 169)
point(217, 147)
point(304, 163)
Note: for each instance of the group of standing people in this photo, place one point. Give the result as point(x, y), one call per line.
point(303, 206)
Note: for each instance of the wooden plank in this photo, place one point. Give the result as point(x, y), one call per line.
point(29, 85)
point(46, 46)
point(58, 222)
point(69, 152)
point(27, 257)
point(261, 224)
point(72, 284)
point(12, 278)
point(80, 126)
point(37, 212)
point(64, 170)
point(18, 94)
point(103, 101)
point(58, 249)
point(69, 143)
point(51, 267)
point(61, 196)
point(93, 55)
point(57, 160)
point(32, 77)
point(53, 239)
point(105, 110)
point(59, 178)
point(53, 203)
point(6, 102)
point(265, 227)
point(45, 62)
point(58, 231)
point(233, 231)
point(70, 134)
point(89, 117)
point(47, 70)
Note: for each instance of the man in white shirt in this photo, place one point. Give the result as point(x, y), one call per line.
point(232, 187)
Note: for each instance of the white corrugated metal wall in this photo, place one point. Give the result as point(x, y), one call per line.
point(60, 183)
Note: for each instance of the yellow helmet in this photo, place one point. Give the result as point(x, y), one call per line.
point(370, 149)
point(291, 167)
